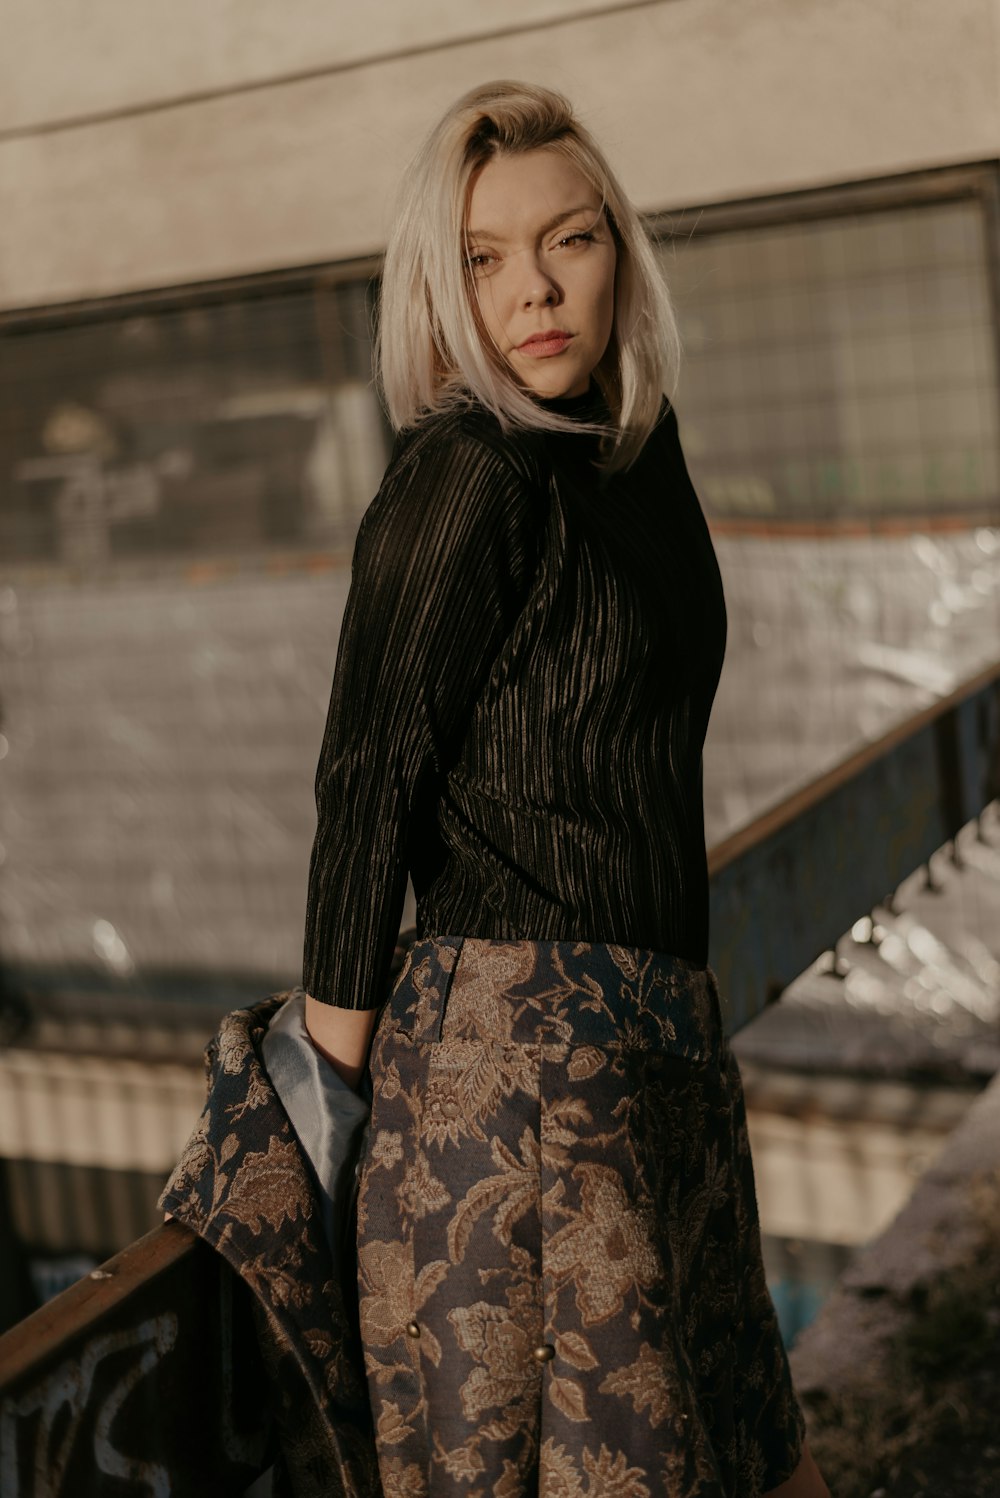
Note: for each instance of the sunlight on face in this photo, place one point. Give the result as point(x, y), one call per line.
point(543, 262)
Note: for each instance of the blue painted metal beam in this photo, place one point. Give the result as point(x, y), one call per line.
point(786, 887)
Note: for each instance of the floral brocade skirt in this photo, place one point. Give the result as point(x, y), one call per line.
point(559, 1262)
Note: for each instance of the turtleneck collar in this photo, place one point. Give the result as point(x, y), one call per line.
point(590, 406)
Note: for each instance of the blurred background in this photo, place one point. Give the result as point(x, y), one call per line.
point(195, 197)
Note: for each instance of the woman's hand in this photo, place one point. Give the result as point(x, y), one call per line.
point(342, 1036)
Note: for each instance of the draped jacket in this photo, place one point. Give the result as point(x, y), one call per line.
point(246, 1185)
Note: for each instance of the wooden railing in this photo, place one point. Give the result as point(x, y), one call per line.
point(143, 1378)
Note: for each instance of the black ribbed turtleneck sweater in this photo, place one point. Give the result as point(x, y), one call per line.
point(527, 663)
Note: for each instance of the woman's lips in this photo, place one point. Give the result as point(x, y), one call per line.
point(543, 345)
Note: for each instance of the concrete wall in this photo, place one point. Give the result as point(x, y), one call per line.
point(127, 55)
point(157, 145)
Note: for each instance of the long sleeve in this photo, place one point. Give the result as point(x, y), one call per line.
point(442, 563)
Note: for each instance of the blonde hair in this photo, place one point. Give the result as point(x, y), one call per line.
point(430, 352)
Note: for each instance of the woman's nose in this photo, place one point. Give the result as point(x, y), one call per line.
point(543, 297)
point(538, 289)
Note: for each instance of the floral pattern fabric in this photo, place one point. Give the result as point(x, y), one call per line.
point(559, 1265)
point(245, 1186)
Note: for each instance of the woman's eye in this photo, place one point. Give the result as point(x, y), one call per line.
point(480, 259)
point(579, 235)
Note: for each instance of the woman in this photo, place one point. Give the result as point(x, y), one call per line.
point(560, 1280)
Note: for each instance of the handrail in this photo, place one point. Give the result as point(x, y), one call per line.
point(785, 888)
point(159, 1333)
point(146, 1371)
point(42, 1335)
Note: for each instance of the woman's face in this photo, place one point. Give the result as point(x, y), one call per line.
point(543, 262)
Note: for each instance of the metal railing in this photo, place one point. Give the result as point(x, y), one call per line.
point(147, 1372)
point(787, 886)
